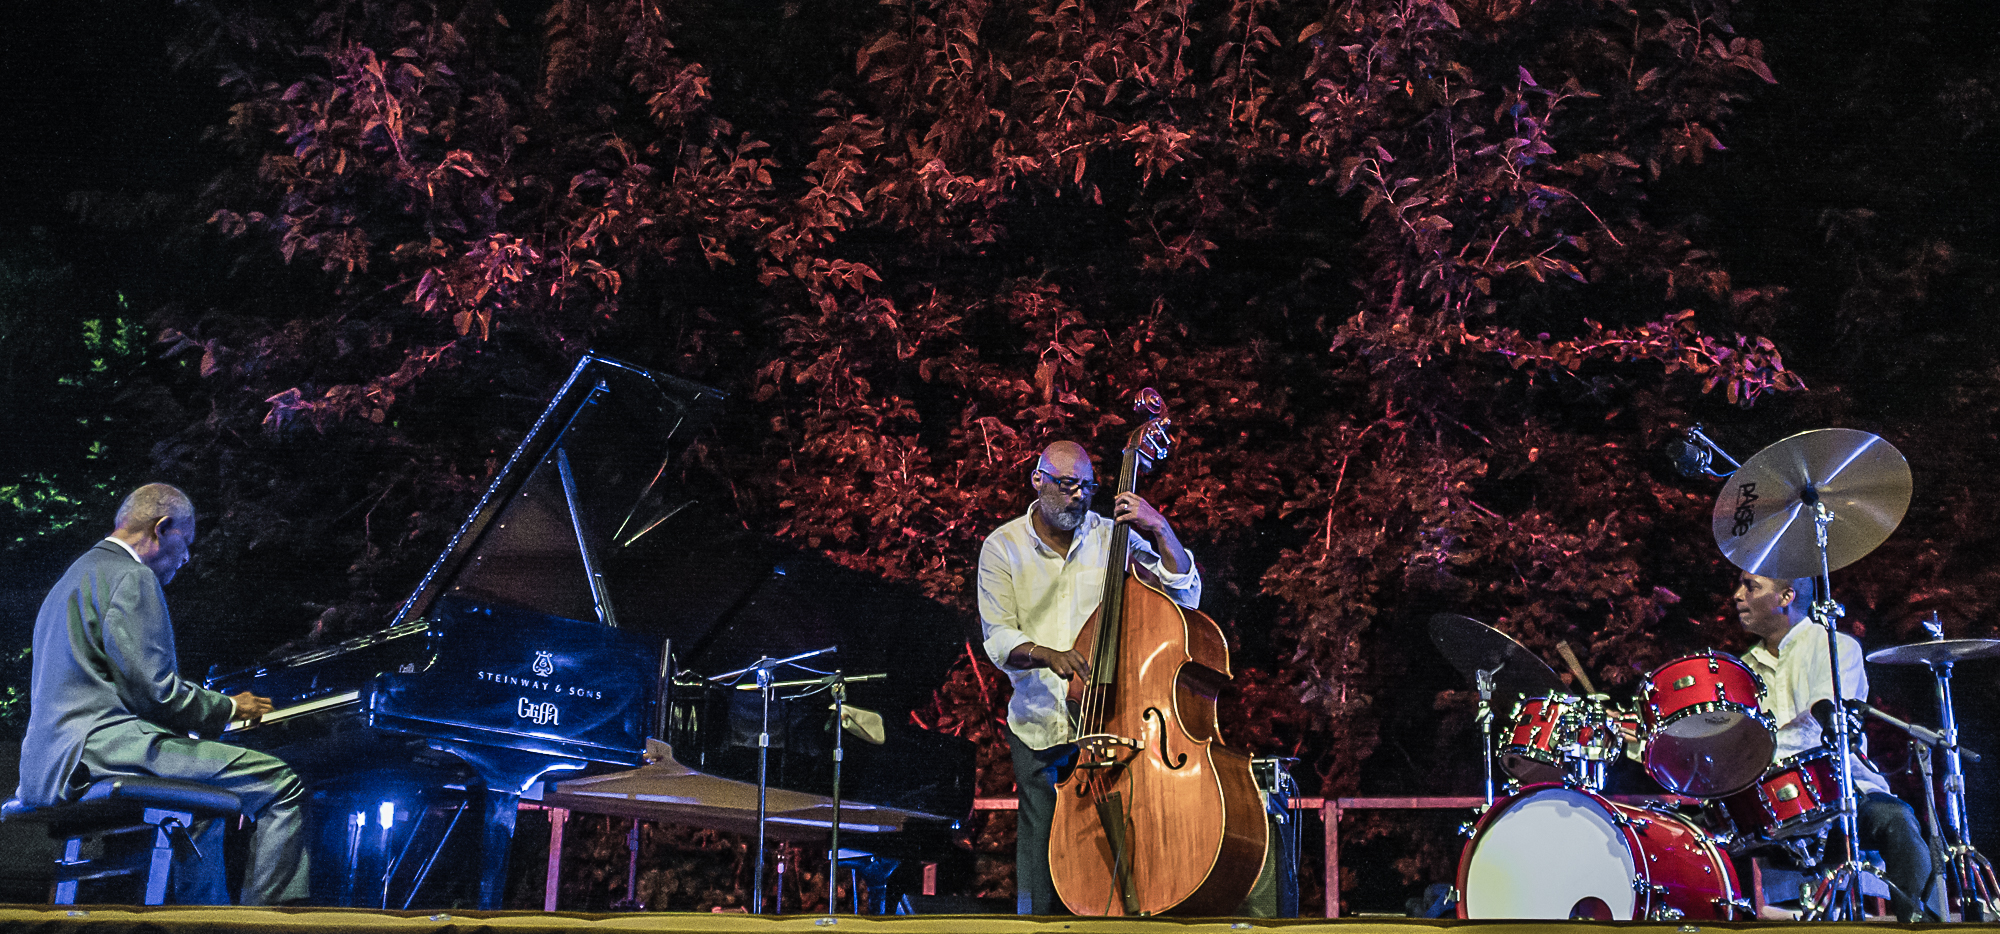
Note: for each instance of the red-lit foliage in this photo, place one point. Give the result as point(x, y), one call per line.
point(1393, 264)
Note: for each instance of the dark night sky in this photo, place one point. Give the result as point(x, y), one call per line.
point(91, 102)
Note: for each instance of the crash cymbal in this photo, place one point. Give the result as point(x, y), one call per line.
point(1764, 518)
point(1473, 646)
point(1940, 651)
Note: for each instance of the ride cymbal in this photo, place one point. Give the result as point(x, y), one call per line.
point(1764, 518)
point(1941, 651)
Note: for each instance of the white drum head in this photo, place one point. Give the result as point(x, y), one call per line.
point(1547, 853)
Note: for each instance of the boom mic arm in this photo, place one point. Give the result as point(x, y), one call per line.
point(1695, 452)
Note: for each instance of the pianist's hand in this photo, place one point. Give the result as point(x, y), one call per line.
point(249, 706)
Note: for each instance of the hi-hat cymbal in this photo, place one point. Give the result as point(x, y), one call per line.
point(1473, 646)
point(1941, 651)
point(1764, 518)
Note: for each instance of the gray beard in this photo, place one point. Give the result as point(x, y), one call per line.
point(1061, 519)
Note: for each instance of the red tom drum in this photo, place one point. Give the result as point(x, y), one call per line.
point(1796, 797)
point(1553, 738)
point(1706, 735)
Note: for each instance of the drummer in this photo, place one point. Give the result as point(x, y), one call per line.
point(1791, 658)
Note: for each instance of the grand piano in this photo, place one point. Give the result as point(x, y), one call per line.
point(564, 646)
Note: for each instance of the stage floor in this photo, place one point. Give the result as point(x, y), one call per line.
point(102, 918)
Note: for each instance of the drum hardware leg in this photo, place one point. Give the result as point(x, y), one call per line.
point(1485, 717)
point(1836, 896)
point(1979, 891)
point(1978, 894)
point(1660, 911)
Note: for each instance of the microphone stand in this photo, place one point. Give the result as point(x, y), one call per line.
point(763, 669)
point(836, 684)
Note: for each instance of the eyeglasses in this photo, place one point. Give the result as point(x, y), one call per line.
point(1069, 485)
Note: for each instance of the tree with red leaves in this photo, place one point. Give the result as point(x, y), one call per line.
point(1396, 265)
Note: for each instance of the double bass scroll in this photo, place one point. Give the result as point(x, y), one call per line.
point(1158, 816)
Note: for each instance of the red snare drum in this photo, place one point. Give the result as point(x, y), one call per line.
point(1796, 797)
point(1551, 737)
point(1558, 852)
point(1706, 735)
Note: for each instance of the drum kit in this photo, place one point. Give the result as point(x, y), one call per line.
point(1554, 846)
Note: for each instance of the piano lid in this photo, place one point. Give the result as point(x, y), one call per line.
point(668, 555)
point(594, 474)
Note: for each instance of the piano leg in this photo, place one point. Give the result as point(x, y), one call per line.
point(502, 808)
point(558, 817)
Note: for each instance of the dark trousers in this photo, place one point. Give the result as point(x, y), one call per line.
point(1888, 827)
point(272, 796)
point(1036, 772)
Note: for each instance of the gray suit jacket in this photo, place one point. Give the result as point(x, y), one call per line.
point(105, 674)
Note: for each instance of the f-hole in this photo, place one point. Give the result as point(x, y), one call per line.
point(1153, 713)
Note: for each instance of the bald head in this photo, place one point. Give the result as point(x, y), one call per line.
point(146, 506)
point(157, 522)
point(1063, 459)
point(1064, 482)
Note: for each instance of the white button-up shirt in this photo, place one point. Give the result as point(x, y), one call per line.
point(1796, 677)
point(1029, 592)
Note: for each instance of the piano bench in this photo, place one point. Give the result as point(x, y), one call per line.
point(125, 828)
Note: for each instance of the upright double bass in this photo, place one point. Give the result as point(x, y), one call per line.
point(1158, 816)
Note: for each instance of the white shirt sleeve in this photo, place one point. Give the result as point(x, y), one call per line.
point(1184, 587)
point(999, 619)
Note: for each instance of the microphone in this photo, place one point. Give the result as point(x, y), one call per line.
point(1822, 710)
point(1689, 460)
point(1693, 454)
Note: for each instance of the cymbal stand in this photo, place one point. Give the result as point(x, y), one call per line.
point(1485, 718)
point(1838, 891)
point(1923, 741)
point(763, 687)
point(1970, 872)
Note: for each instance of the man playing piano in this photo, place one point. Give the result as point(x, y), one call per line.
point(107, 699)
point(1041, 575)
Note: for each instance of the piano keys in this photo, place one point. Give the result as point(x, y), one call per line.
point(569, 623)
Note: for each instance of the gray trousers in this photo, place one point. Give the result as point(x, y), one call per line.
point(1036, 772)
point(272, 796)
